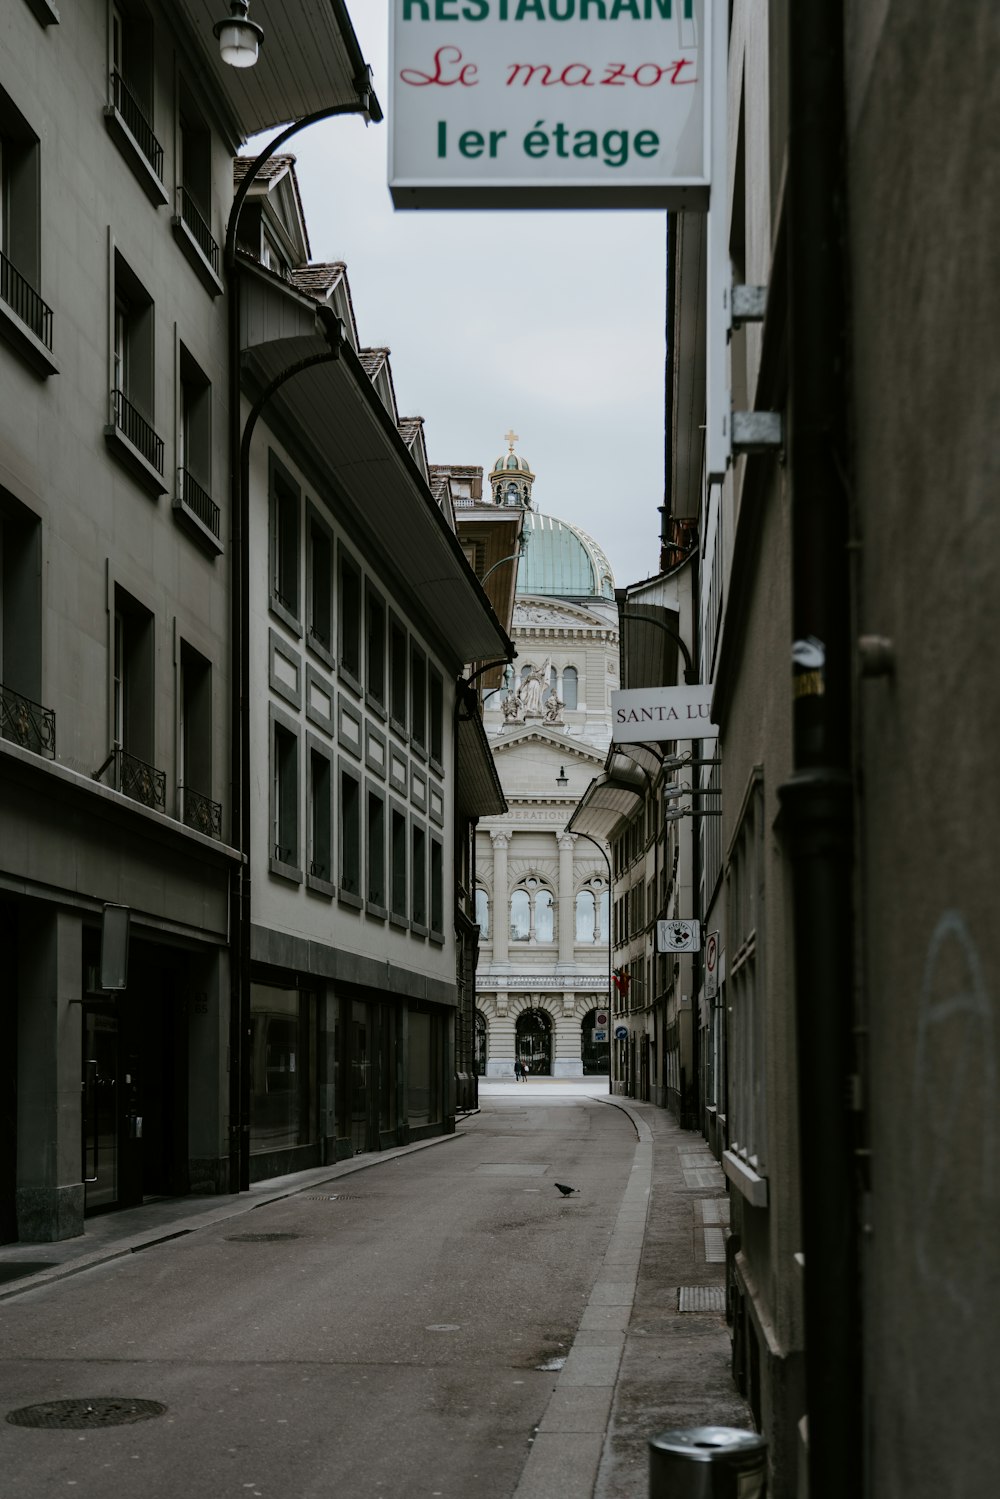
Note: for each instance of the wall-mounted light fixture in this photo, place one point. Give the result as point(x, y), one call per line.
point(562, 779)
point(673, 814)
point(678, 762)
point(240, 39)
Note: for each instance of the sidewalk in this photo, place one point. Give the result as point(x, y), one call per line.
point(652, 1349)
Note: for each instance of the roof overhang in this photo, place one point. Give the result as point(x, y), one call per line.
point(310, 60)
point(610, 799)
point(478, 791)
point(648, 646)
point(347, 442)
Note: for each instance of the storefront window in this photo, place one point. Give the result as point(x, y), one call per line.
point(423, 1073)
point(283, 1083)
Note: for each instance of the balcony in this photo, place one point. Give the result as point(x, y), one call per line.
point(25, 320)
point(201, 813)
point(197, 242)
point(126, 120)
point(27, 724)
point(198, 512)
point(134, 778)
point(134, 440)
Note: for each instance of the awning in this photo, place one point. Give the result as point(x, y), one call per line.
point(350, 446)
point(478, 791)
point(310, 60)
point(610, 799)
point(648, 647)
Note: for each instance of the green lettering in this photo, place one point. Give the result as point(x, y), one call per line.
point(471, 143)
point(496, 136)
point(585, 143)
point(586, 6)
point(646, 143)
point(442, 138)
point(441, 13)
point(536, 7)
point(569, 9)
point(422, 6)
point(480, 13)
point(631, 7)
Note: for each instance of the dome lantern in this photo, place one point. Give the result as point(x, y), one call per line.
point(511, 477)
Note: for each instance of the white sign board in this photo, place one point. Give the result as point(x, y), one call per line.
point(549, 103)
point(678, 936)
point(600, 1036)
point(648, 714)
point(601, 1019)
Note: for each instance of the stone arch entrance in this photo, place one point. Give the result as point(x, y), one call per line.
point(533, 1041)
point(595, 1055)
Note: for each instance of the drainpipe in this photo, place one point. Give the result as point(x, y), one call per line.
point(239, 895)
point(818, 800)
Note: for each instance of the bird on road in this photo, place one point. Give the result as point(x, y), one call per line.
point(566, 1191)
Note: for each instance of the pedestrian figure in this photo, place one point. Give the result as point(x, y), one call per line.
point(518, 1070)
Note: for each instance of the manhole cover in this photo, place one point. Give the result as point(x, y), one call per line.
point(259, 1238)
point(75, 1415)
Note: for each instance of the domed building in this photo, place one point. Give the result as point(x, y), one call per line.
point(543, 895)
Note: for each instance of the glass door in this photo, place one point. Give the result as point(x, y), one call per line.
point(100, 1107)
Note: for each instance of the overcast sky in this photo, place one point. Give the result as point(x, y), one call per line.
point(552, 324)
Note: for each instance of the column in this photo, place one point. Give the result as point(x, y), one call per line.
point(50, 1194)
point(501, 897)
point(567, 902)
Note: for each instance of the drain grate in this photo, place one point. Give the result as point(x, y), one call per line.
point(77, 1415)
point(259, 1238)
point(701, 1299)
point(336, 1196)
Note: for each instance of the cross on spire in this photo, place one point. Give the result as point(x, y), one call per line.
point(511, 437)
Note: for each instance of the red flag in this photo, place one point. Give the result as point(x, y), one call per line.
point(621, 982)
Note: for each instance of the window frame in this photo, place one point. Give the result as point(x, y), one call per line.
point(319, 600)
point(316, 751)
point(284, 543)
point(376, 861)
point(285, 751)
point(350, 639)
point(350, 833)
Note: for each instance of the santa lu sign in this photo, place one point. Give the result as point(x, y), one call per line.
point(549, 103)
point(642, 715)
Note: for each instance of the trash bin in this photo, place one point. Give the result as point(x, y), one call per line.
point(708, 1462)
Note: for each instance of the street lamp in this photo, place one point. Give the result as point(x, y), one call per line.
point(240, 39)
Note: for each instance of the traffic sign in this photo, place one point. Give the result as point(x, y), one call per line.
point(600, 1034)
point(711, 965)
point(621, 1032)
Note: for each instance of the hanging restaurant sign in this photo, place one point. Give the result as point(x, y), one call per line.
point(644, 715)
point(549, 103)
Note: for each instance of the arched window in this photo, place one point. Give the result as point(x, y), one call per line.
point(586, 917)
point(569, 685)
point(533, 1041)
point(544, 925)
point(520, 916)
point(483, 913)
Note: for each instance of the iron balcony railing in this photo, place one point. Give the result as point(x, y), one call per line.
point(136, 428)
point(134, 116)
point(26, 723)
point(23, 299)
point(201, 813)
point(200, 231)
point(200, 502)
point(134, 778)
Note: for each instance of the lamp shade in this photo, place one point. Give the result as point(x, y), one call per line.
point(239, 38)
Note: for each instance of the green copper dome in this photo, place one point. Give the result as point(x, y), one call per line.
point(561, 561)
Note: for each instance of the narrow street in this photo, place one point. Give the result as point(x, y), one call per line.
point(386, 1333)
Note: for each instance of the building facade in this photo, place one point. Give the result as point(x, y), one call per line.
point(543, 894)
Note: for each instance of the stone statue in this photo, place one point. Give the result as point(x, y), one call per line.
point(553, 709)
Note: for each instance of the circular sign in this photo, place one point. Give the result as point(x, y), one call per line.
point(601, 1018)
point(621, 1032)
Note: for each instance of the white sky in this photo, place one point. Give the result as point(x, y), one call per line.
point(550, 323)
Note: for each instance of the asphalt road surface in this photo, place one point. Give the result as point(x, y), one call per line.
point(383, 1336)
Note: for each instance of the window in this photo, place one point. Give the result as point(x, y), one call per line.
point(520, 916)
point(375, 845)
point(437, 887)
point(398, 677)
point(320, 794)
point(349, 582)
point(375, 646)
point(131, 431)
point(194, 445)
point(397, 851)
point(284, 798)
point(195, 770)
point(350, 836)
point(747, 1056)
point(283, 1090)
point(193, 209)
point(483, 913)
point(20, 245)
point(283, 542)
point(436, 686)
point(132, 703)
point(569, 687)
point(586, 917)
point(22, 718)
point(418, 843)
point(129, 114)
point(418, 696)
point(319, 571)
point(544, 910)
